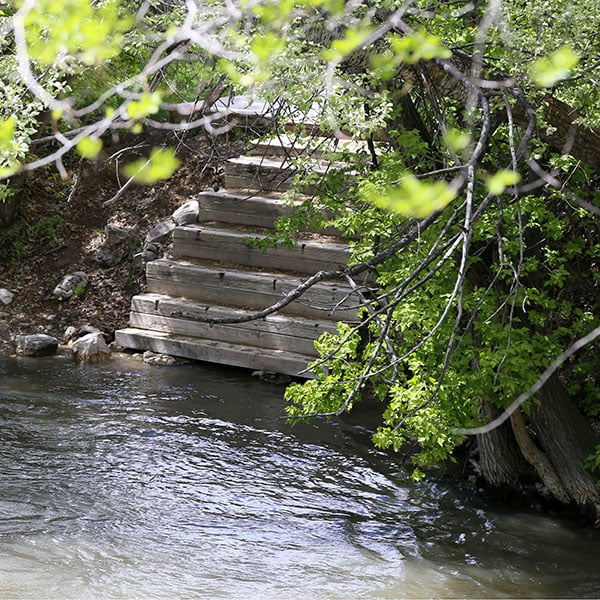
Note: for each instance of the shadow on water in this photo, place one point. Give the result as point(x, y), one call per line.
point(124, 480)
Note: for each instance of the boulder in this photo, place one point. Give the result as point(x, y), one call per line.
point(187, 213)
point(38, 344)
point(160, 233)
point(6, 296)
point(71, 284)
point(91, 348)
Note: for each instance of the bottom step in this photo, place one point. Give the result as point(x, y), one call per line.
point(249, 357)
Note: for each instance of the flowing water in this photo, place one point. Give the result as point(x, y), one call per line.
point(128, 481)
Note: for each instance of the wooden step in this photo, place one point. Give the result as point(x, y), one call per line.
point(222, 353)
point(316, 146)
point(250, 290)
point(158, 312)
point(229, 246)
point(242, 208)
point(267, 174)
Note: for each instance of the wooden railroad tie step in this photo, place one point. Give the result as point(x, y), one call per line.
point(306, 256)
point(223, 353)
point(250, 290)
point(157, 312)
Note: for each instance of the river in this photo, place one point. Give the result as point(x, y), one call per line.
point(128, 481)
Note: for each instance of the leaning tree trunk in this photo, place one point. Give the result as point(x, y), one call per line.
point(566, 438)
point(500, 461)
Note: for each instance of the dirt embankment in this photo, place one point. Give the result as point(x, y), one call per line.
point(60, 225)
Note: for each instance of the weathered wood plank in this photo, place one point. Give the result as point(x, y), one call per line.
point(267, 174)
point(307, 256)
point(213, 351)
point(172, 315)
point(242, 209)
point(248, 290)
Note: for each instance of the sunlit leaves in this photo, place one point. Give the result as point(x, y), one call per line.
point(63, 30)
point(499, 181)
point(89, 147)
point(161, 164)
point(352, 40)
point(420, 45)
point(7, 132)
point(411, 196)
point(407, 49)
point(148, 104)
point(457, 140)
point(548, 71)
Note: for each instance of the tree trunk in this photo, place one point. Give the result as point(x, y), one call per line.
point(566, 438)
point(501, 463)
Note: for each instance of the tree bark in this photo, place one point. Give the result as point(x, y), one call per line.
point(501, 463)
point(567, 439)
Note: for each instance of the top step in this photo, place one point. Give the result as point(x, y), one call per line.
point(290, 146)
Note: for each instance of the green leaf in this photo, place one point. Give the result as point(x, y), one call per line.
point(548, 71)
point(497, 183)
point(457, 140)
point(161, 165)
point(343, 47)
point(89, 147)
point(7, 130)
point(412, 197)
point(148, 104)
point(420, 45)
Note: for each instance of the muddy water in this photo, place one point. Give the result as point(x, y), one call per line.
point(126, 481)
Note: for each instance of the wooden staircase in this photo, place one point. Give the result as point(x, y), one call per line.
point(214, 273)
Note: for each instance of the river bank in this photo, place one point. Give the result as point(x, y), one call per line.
point(62, 227)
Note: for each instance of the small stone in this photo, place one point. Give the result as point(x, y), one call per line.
point(141, 259)
point(161, 232)
point(70, 333)
point(187, 213)
point(6, 296)
point(71, 284)
point(36, 345)
point(108, 256)
point(152, 358)
point(115, 234)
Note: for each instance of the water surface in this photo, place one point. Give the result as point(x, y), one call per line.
point(129, 481)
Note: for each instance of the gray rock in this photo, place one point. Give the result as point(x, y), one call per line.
point(161, 232)
point(38, 344)
point(109, 256)
point(152, 358)
point(187, 213)
point(6, 296)
point(91, 348)
point(142, 258)
point(70, 333)
point(115, 234)
point(73, 283)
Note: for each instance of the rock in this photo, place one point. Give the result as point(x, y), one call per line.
point(36, 345)
point(71, 284)
point(151, 358)
point(6, 296)
point(91, 348)
point(270, 377)
point(109, 256)
point(120, 244)
point(142, 258)
point(187, 213)
point(115, 234)
point(70, 333)
point(161, 232)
